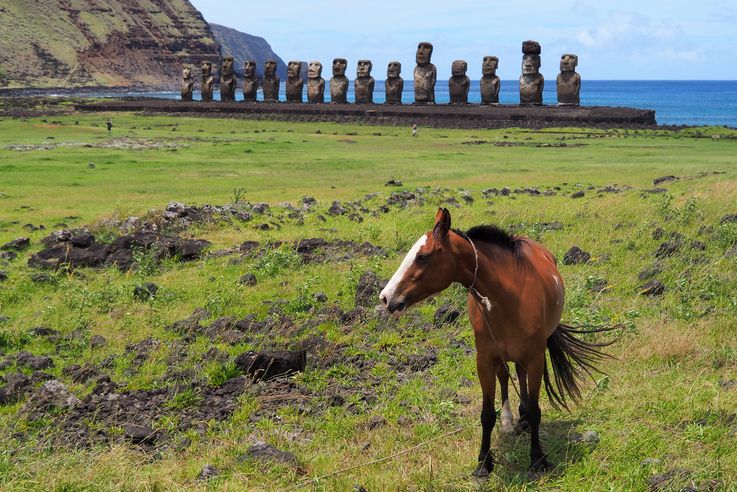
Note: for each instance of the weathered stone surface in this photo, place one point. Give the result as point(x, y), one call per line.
point(490, 83)
point(207, 82)
point(576, 256)
point(270, 82)
point(16, 386)
point(228, 80)
point(425, 75)
point(394, 84)
point(250, 81)
point(295, 84)
point(531, 82)
point(315, 83)
point(18, 244)
point(368, 289)
point(339, 82)
point(187, 86)
point(52, 395)
point(459, 83)
point(363, 86)
point(568, 82)
point(27, 359)
point(652, 288)
point(267, 365)
point(265, 452)
point(445, 314)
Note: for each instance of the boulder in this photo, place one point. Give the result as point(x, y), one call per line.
point(52, 395)
point(267, 365)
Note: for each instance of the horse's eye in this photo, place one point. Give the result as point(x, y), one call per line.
point(422, 259)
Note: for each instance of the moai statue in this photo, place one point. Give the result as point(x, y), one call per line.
point(187, 84)
point(207, 81)
point(394, 84)
point(339, 82)
point(425, 75)
point(295, 84)
point(363, 86)
point(250, 82)
point(569, 82)
point(315, 83)
point(490, 82)
point(531, 82)
point(228, 80)
point(459, 83)
point(270, 83)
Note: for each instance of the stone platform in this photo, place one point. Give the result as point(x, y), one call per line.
point(438, 116)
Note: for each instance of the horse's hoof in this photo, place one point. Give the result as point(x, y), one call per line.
point(539, 466)
point(482, 472)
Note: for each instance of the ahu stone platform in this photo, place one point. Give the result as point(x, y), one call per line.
point(437, 116)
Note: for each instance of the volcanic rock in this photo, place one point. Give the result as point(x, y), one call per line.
point(576, 256)
point(53, 395)
point(652, 288)
point(267, 365)
point(18, 244)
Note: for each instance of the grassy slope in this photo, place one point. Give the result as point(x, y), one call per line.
point(662, 398)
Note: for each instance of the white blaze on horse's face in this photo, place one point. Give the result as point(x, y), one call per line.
point(389, 297)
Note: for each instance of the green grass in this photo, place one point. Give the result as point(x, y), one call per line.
point(662, 398)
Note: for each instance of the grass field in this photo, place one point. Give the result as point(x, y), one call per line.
point(664, 414)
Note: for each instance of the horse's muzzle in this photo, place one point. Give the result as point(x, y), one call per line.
point(394, 306)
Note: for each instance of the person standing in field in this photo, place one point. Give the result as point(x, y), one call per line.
point(109, 127)
point(414, 130)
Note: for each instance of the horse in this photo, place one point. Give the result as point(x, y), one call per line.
point(515, 301)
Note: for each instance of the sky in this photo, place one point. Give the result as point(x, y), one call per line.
point(622, 40)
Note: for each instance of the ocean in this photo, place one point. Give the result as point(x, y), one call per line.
point(692, 102)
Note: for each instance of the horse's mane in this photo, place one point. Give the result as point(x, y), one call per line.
point(493, 234)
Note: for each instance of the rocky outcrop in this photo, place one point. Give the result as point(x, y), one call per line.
point(59, 43)
point(242, 47)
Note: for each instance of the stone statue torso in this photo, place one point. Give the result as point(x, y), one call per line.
point(339, 89)
point(187, 88)
point(394, 87)
point(250, 87)
point(227, 88)
point(206, 88)
point(458, 86)
point(316, 90)
point(489, 86)
point(364, 90)
point(295, 87)
point(271, 88)
point(531, 89)
point(568, 86)
point(425, 76)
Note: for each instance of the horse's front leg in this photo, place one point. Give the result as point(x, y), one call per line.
point(487, 368)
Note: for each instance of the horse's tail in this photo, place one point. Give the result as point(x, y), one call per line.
point(572, 359)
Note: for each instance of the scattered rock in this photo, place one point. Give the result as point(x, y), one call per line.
point(27, 359)
point(445, 314)
point(208, 472)
point(670, 247)
point(662, 480)
point(375, 422)
point(267, 453)
point(248, 279)
point(728, 219)
point(267, 365)
point(139, 434)
point(650, 272)
point(8, 255)
point(664, 179)
point(43, 331)
point(393, 182)
point(18, 244)
point(652, 288)
point(368, 289)
point(337, 209)
point(731, 252)
point(576, 256)
point(588, 437)
point(658, 233)
point(3, 276)
point(16, 386)
point(82, 240)
point(650, 461)
point(52, 395)
point(81, 374)
point(598, 285)
point(145, 292)
point(98, 341)
point(321, 297)
point(578, 194)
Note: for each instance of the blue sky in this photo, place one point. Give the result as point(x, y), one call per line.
point(675, 39)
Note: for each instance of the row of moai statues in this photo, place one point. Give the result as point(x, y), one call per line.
point(531, 82)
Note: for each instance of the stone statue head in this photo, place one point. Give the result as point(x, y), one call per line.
point(339, 66)
point(489, 65)
point(424, 53)
point(530, 64)
point(227, 68)
point(206, 68)
point(568, 63)
point(269, 68)
point(459, 68)
point(186, 73)
point(364, 68)
point(314, 70)
point(294, 68)
point(249, 69)
point(393, 70)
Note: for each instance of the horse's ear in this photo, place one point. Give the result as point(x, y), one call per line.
point(442, 224)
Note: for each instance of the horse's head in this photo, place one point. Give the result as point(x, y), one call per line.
point(429, 267)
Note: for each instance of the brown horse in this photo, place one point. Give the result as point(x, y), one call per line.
point(515, 301)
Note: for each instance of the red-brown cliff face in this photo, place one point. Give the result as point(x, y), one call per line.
point(72, 43)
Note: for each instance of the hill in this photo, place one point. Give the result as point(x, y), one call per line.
point(74, 43)
point(242, 47)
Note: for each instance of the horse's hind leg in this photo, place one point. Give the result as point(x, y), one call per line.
point(487, 377)
point(534, 380)
point(522, 423)
point(502, 373)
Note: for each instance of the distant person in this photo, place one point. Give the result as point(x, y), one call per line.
point(414, 130)
point(110, 127)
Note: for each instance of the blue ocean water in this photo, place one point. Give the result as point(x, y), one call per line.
point(691, 102)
